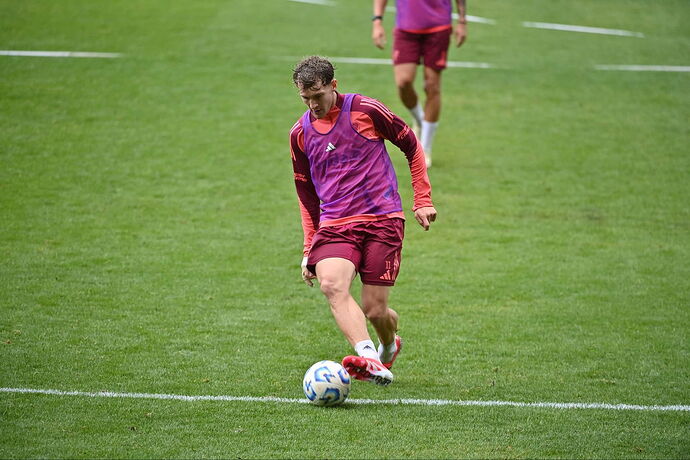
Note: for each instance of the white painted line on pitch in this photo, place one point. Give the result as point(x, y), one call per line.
point(381, 61)
point(477, 19)
point(470, 65)
point(645, 68)
point(584, 29)
point(60, 54)
point(316, 2)
point(405, 402)
point(377, 61)
point(110, 394)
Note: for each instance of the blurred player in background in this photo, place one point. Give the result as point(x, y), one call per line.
point(352, 214)
point(421, 36)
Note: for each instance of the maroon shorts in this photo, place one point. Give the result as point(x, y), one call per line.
point(409, 47)
point(373, 247)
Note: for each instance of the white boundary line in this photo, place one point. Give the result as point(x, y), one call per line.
point(316, 2)
point(477, 19)
point(59, 54)
point(405, 402)
point(585, 29)
point(645, 68)
point(381, 61)
point(469, 65)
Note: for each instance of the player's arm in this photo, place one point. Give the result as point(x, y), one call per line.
point(423, 207)
point(460, 31)
point(391, 127)
point(306, 195)
point(378, 33)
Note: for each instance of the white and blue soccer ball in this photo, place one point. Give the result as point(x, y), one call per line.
point(326, 383)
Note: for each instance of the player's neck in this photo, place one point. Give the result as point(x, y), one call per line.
point(323, 125)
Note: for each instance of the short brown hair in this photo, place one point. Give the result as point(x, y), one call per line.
point(311, 71)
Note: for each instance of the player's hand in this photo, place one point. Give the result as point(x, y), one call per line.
point(425, 216)
point(307, 276)
point(378, 34)
point(460, 34)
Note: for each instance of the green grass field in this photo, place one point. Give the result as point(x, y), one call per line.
point(150, 236)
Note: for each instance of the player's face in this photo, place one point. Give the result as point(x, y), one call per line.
point(319, 98)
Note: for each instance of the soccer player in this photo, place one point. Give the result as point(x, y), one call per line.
point(352, 214)
point(422, 32)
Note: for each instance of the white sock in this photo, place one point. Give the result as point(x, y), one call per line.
point(417, 113)
point(428, 131)
point(386, 352)
point(366, 349)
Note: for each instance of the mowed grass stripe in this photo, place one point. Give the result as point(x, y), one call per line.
point(398, 401)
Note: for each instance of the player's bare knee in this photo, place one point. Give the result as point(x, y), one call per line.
point(432, 89)
point(405, 84)
point(333, 288)
point(375, 311)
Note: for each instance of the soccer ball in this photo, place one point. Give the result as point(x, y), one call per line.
point(326, 383)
